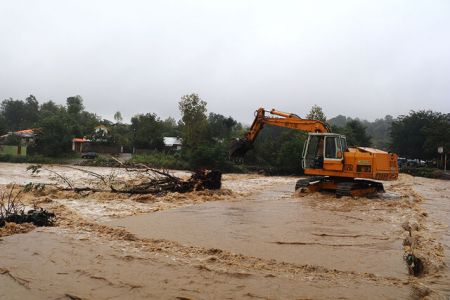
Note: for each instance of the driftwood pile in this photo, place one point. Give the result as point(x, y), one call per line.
point(143, 180)
point(161, 182)
point(12, 210)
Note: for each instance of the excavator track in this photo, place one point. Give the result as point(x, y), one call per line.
point(358, 187)
point(304, 184)
point(341, 187)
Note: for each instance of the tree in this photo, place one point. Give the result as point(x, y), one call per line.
point(437, 133)
point(3, 127)
point(170, 127)
point(120, 135)
point(147, 132)
point(418, 134)
point(194, 121)
point(13, 114)
point(53, 137)
point(18, 114)
point(316, 113)
point(356, 135)
point(75, 105)
point(221, 127)
point(339, 121)
point(50, 108)
point(81, 122)
point(86, 123)
point(118, 117)
point(380, 130)
point(31, 112)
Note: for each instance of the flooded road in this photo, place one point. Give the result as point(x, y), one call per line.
point(252, 240)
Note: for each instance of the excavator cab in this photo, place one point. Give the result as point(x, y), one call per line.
point(324, 151)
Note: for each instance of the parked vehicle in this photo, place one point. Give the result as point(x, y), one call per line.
point(89, 155)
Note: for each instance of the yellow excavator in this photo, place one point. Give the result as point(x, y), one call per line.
point(333, 165)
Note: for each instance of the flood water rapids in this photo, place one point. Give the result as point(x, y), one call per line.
point(258, 240)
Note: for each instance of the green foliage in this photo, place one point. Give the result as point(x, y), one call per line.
point(221, 127)
point(3, 126)
point(13, 140)
point(170, 127)
point(379, 130)
point(162, 160)
point(118, 117)
point(49, 108)
point(339, 121)
point(278, 151)
point(316, 113)
point(54, 137)
point(206, 138)
point(437, 133)
point(75, 105)
point(210, 156)
point(418, 134)
point(194, 125)
point(147, 132)
point(18, 114)
point(424, 172)
point(356, 134)
point(120, 134)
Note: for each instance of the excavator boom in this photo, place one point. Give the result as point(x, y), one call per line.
point(280, 119)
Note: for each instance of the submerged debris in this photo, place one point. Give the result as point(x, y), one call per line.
point(161, 182)
point(12, 210)
point(144, 180)
point(39, 217)
point(415, 265)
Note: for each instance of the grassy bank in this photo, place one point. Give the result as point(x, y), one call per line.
point(37, 159)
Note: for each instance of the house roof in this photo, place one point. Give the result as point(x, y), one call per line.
point(169, 141)
point(101, 126)
point(31, 131)
point(80, 140)
point(25, 133)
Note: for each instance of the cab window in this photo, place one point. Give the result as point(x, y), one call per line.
point(333, 148)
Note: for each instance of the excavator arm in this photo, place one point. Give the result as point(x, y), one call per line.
point(278, 118)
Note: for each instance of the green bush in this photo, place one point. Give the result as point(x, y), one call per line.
point(162, 160)
point(424, 172)
point(211, 156)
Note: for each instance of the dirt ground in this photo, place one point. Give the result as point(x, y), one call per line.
point(253, 239)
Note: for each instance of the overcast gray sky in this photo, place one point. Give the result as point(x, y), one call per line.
point(357, 58)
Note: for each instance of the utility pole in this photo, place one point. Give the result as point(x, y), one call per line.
point(440, 150)
point(445, 162)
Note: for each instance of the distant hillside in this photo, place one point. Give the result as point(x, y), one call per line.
point(378, 130)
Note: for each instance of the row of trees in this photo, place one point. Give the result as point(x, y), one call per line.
point(57, 124)
point(207, 136)
point(416, 135)
point(419, 134)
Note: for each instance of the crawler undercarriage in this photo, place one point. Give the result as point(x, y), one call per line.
point(339, 185)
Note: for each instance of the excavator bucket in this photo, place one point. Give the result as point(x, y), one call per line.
point(239, 147)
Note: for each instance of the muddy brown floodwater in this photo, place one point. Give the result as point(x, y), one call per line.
point(254, 239)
